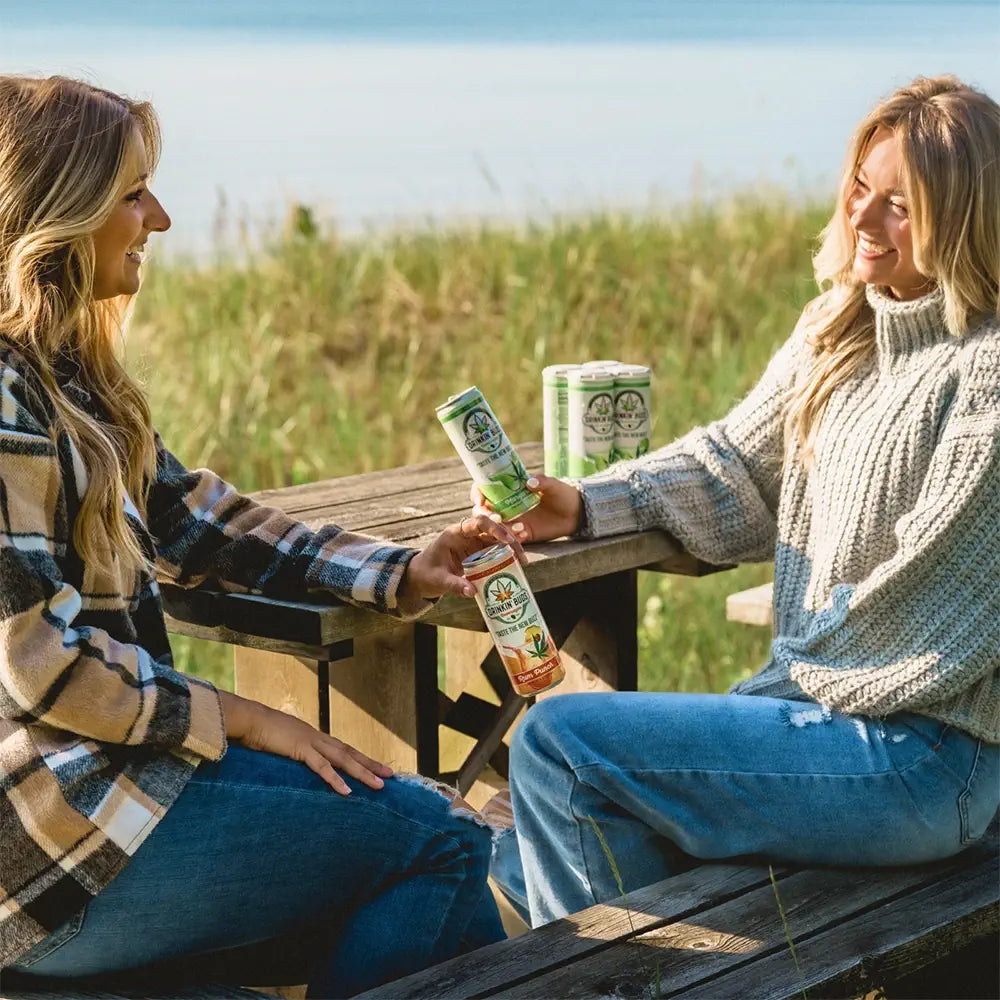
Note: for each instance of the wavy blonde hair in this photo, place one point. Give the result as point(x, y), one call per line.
point(949, 140)
point(67, 154)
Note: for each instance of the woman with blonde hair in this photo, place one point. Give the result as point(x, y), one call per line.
point(135, 846)
point(866, 464)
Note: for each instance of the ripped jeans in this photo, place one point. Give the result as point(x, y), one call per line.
point(261, 875)
point(669, 778)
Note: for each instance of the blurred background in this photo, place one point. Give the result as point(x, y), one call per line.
point(370, 198)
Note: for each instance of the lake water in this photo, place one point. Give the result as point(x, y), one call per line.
point(386, 112)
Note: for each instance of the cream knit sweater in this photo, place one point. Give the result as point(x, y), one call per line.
point(887, 553)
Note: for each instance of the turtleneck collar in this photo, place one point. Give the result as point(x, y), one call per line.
point(902, 328)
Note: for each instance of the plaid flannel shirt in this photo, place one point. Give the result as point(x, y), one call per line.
point(98, 732)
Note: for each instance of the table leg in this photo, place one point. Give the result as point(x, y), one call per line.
point(383, 699)
point(289, 683)
point(379, 693)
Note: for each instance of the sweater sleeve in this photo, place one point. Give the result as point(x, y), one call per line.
point(716, 489)
point(206, 530)
point(922, 627)
point(54, 670)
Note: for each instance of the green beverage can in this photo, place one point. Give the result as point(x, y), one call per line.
point(487, 453)
point(555, 418)
point(632, 415)
point(591, 415)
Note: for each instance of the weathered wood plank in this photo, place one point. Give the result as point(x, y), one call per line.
point(751, 607)
point(328, 493)
point(592, 930)
point(373, 698)
point(877, 946)
point(687, 952)
point(288, 683)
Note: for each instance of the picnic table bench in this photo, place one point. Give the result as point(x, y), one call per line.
point(718, 931)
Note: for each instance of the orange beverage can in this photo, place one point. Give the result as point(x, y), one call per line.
point(514, 619)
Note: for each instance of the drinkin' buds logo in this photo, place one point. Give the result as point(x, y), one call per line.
point(481, 432)
point(600, 413)
point(630, 410)
point(505, 599)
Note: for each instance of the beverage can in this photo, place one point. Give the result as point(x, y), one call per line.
point(555, 425)
point(487, 453)
point(514, 619)
point(632, 413)
point(591, 418)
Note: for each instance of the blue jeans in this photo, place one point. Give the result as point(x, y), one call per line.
point(261, 875)
point(669, 778)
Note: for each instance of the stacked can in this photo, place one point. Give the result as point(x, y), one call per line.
point(555, 418)
point(594, 414)
point(513, 617)
point(487, 453)
point(631, 411)
point(591, 416)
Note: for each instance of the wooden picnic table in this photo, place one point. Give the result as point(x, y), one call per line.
point(373, 680)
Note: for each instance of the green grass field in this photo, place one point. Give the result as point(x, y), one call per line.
point(321, 357)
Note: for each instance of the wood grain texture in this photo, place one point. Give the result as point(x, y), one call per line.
point(590, 931)
point(696, 950)
point(876, 946)
point(373, 698)
point(751, 607)
point(328, 493)
point(288, 683)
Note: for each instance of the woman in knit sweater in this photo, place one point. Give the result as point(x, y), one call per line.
point(866, 464)
point(130, 838)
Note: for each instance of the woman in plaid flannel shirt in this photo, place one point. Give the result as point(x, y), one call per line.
point(133, 844)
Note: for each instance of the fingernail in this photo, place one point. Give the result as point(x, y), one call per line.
point(379, 782)
point(532, 482)
point(496, 517)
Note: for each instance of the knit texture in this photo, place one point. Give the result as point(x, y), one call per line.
point(887, 552)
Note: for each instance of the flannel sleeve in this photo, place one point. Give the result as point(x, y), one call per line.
point(206, 530)
point(54, 670)
point(716, 490)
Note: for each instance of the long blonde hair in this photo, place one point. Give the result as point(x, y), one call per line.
point(67, 150)
point(949, 140)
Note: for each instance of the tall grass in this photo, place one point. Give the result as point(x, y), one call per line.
point(320, 356)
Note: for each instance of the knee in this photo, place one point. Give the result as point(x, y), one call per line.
point(544, 731)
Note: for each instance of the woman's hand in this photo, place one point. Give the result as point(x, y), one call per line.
point(437, 569)
point(559, 513)
point(261, 728)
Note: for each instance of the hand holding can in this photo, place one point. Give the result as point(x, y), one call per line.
point(487, 453)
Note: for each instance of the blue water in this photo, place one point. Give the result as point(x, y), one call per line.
point(387, 112)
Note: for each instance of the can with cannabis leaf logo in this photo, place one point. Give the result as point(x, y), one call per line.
point(513, 617)
point(591, 419)
point(631, 411)
point(487, 453)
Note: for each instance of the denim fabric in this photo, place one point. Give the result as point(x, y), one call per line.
point(261, 875)
point(669, 778)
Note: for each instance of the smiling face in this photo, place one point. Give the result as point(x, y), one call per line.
point(877, 209)
point(119, 242)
